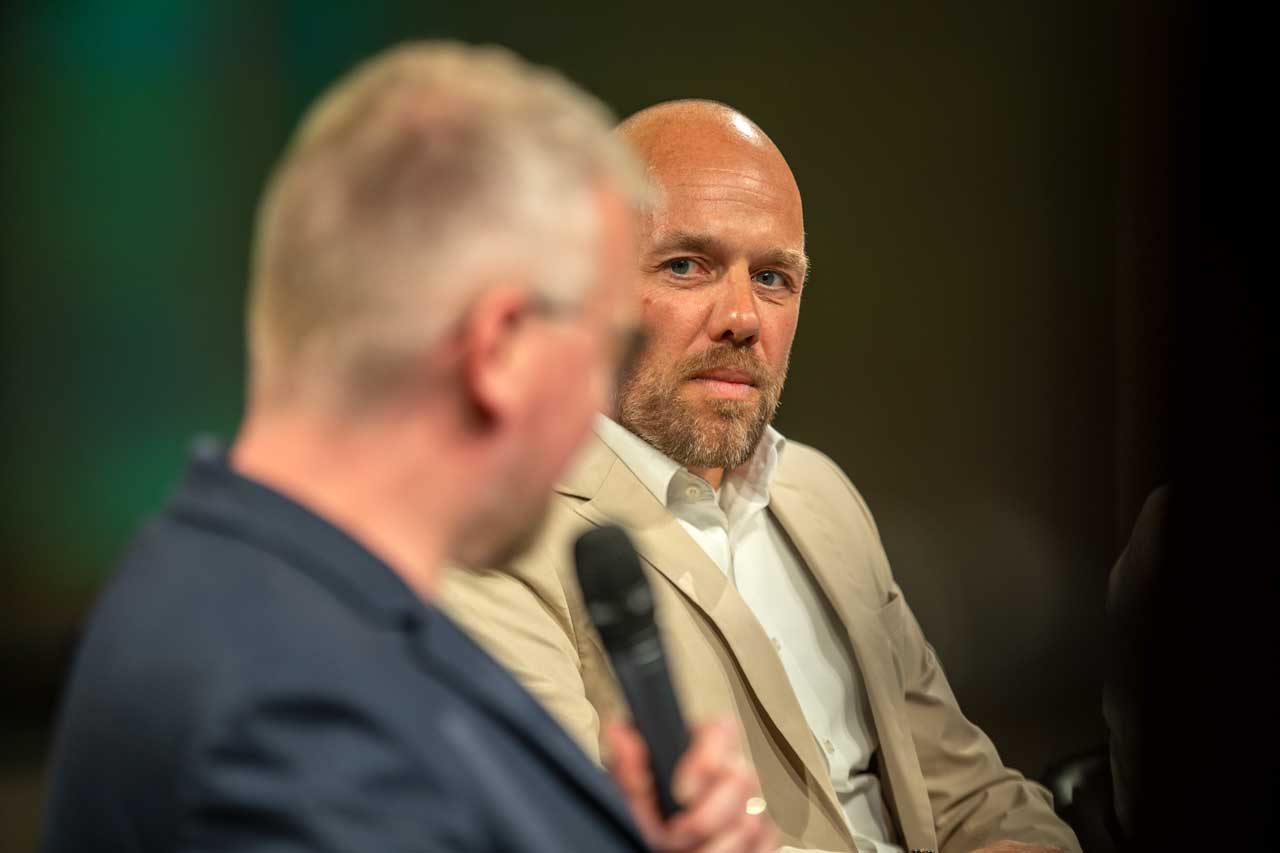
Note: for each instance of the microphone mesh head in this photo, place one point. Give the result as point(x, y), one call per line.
point(614, 587)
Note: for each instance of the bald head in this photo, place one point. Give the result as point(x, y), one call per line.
point(677, 140)
point(675, 125)
point(667, 122)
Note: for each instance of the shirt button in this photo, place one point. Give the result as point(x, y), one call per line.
point(692, 492)
point(828, 746)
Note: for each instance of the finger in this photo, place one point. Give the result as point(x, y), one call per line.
point(754, 835)
point(744, 836)
point(721, 805)
point(769, 841)
point(714, 744)
point(628, 758)
point(629, 766)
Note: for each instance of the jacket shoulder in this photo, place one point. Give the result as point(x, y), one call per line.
point(807, 468)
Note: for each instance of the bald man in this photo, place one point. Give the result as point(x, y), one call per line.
point(772, 588)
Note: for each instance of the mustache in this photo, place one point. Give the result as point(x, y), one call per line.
point(726, 357)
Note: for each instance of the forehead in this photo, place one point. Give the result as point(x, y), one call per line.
point(730, 192)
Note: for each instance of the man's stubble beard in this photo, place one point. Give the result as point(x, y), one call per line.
point(715, 433)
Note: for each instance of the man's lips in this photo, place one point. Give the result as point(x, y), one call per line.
point(725, 374)
point(726, 382)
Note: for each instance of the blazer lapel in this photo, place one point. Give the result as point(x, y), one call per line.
point(616, 496)
point(826, 550)
point(450, 655)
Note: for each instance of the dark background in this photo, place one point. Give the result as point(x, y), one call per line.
point(984, 344)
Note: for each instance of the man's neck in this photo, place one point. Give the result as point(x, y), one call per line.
point(359, 482)
point(713, 476)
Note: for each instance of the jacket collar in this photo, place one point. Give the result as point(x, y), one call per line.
point(215, 497)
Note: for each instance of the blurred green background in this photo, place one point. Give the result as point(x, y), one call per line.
point(975, 346)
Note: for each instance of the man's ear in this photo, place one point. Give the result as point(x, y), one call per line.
point(495, 357)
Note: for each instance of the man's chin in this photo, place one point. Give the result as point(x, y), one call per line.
point(726, 424)
point(729, 417)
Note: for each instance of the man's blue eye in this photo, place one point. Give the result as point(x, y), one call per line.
point(769, 278)
point(680, 266)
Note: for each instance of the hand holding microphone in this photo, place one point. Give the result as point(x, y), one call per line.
point(698, 795)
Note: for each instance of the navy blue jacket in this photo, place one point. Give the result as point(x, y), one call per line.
point(253, 679)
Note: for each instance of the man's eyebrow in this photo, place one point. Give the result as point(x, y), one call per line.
point(688, 241)
point(798, 262)
point(705, 244)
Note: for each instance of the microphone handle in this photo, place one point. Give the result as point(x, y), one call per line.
point(642, 670)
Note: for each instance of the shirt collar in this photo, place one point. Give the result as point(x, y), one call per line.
point(746, 485)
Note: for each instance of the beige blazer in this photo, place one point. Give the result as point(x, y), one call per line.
point(942, 778)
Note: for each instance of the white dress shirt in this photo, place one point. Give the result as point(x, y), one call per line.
point(733, 528)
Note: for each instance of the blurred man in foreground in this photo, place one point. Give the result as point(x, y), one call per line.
point(771, 585)
point(437, 306)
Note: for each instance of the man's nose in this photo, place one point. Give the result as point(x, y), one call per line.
point(734, 319)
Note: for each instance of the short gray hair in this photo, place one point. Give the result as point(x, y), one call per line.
point(428, 171)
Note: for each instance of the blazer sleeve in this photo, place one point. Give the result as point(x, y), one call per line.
point(301, 772)
point(975, 799)
point(520, 615)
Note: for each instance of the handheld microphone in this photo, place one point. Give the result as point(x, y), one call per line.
point(620, 603)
